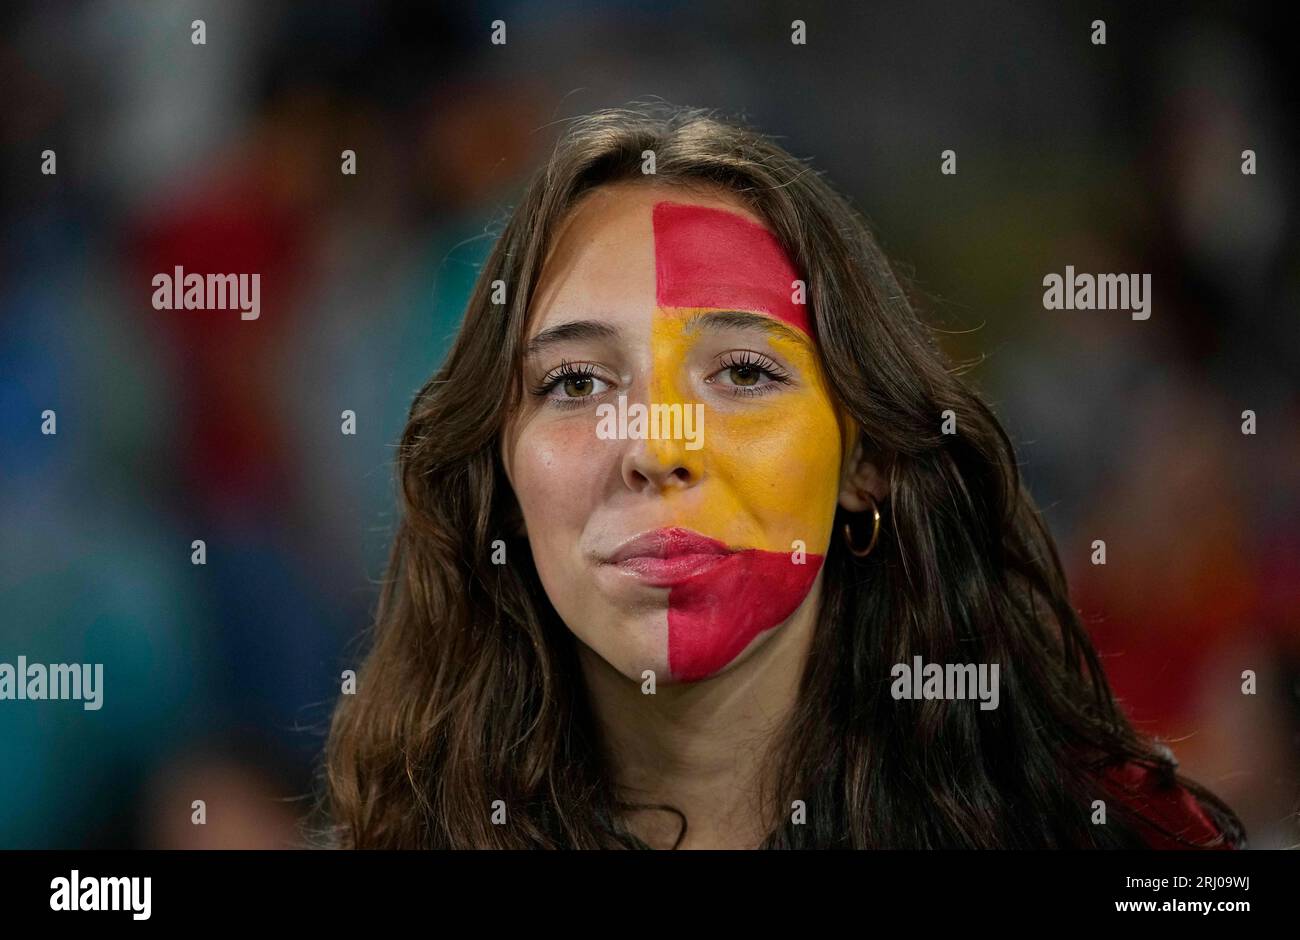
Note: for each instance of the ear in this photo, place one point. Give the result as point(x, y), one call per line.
point(862, 473)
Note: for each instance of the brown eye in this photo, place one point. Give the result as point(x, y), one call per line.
point(578, 386)
point(744, 375)
point(569, 383)
point(747, 373)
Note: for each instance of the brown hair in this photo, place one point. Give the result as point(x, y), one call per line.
point(471, 692)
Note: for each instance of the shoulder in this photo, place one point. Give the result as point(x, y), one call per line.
point(1163, 811)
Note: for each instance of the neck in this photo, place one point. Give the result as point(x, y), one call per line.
point(706, 748)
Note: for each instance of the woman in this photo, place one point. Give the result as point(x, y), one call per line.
point(704, 545)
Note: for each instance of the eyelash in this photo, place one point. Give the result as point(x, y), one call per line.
point(746, 359)
point(751, 360)
point(564, 372)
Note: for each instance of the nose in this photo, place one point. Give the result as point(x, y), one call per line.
point(659, 460)
point(658, 466)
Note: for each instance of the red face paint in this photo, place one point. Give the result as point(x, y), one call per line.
point(708, 257)
point(714, 616)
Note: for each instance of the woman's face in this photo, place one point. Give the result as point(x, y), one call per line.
point(678, 542)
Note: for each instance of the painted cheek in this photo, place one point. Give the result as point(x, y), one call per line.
point(814, 451)
point(781, 457)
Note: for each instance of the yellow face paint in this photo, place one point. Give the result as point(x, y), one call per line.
point(772, 459)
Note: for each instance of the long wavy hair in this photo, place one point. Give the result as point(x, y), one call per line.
point(471, 690)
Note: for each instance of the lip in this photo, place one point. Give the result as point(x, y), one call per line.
point(664, 557)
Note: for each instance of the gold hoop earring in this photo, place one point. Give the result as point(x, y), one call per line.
point(875, 530)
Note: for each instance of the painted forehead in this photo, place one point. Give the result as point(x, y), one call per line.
point(706, 257)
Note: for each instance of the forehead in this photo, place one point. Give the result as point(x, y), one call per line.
point(631, 247)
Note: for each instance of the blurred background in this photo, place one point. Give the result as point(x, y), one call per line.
point(176, 426)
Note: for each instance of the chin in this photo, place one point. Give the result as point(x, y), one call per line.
point(633, 667)
point(630, 645)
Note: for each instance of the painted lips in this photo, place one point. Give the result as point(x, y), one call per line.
point(666, 557)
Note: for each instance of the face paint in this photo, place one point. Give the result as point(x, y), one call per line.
point(773, 462)
point(694, 243)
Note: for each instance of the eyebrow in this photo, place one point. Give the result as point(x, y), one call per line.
point(713, 321)
point(565, 332)
point(716, 321)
